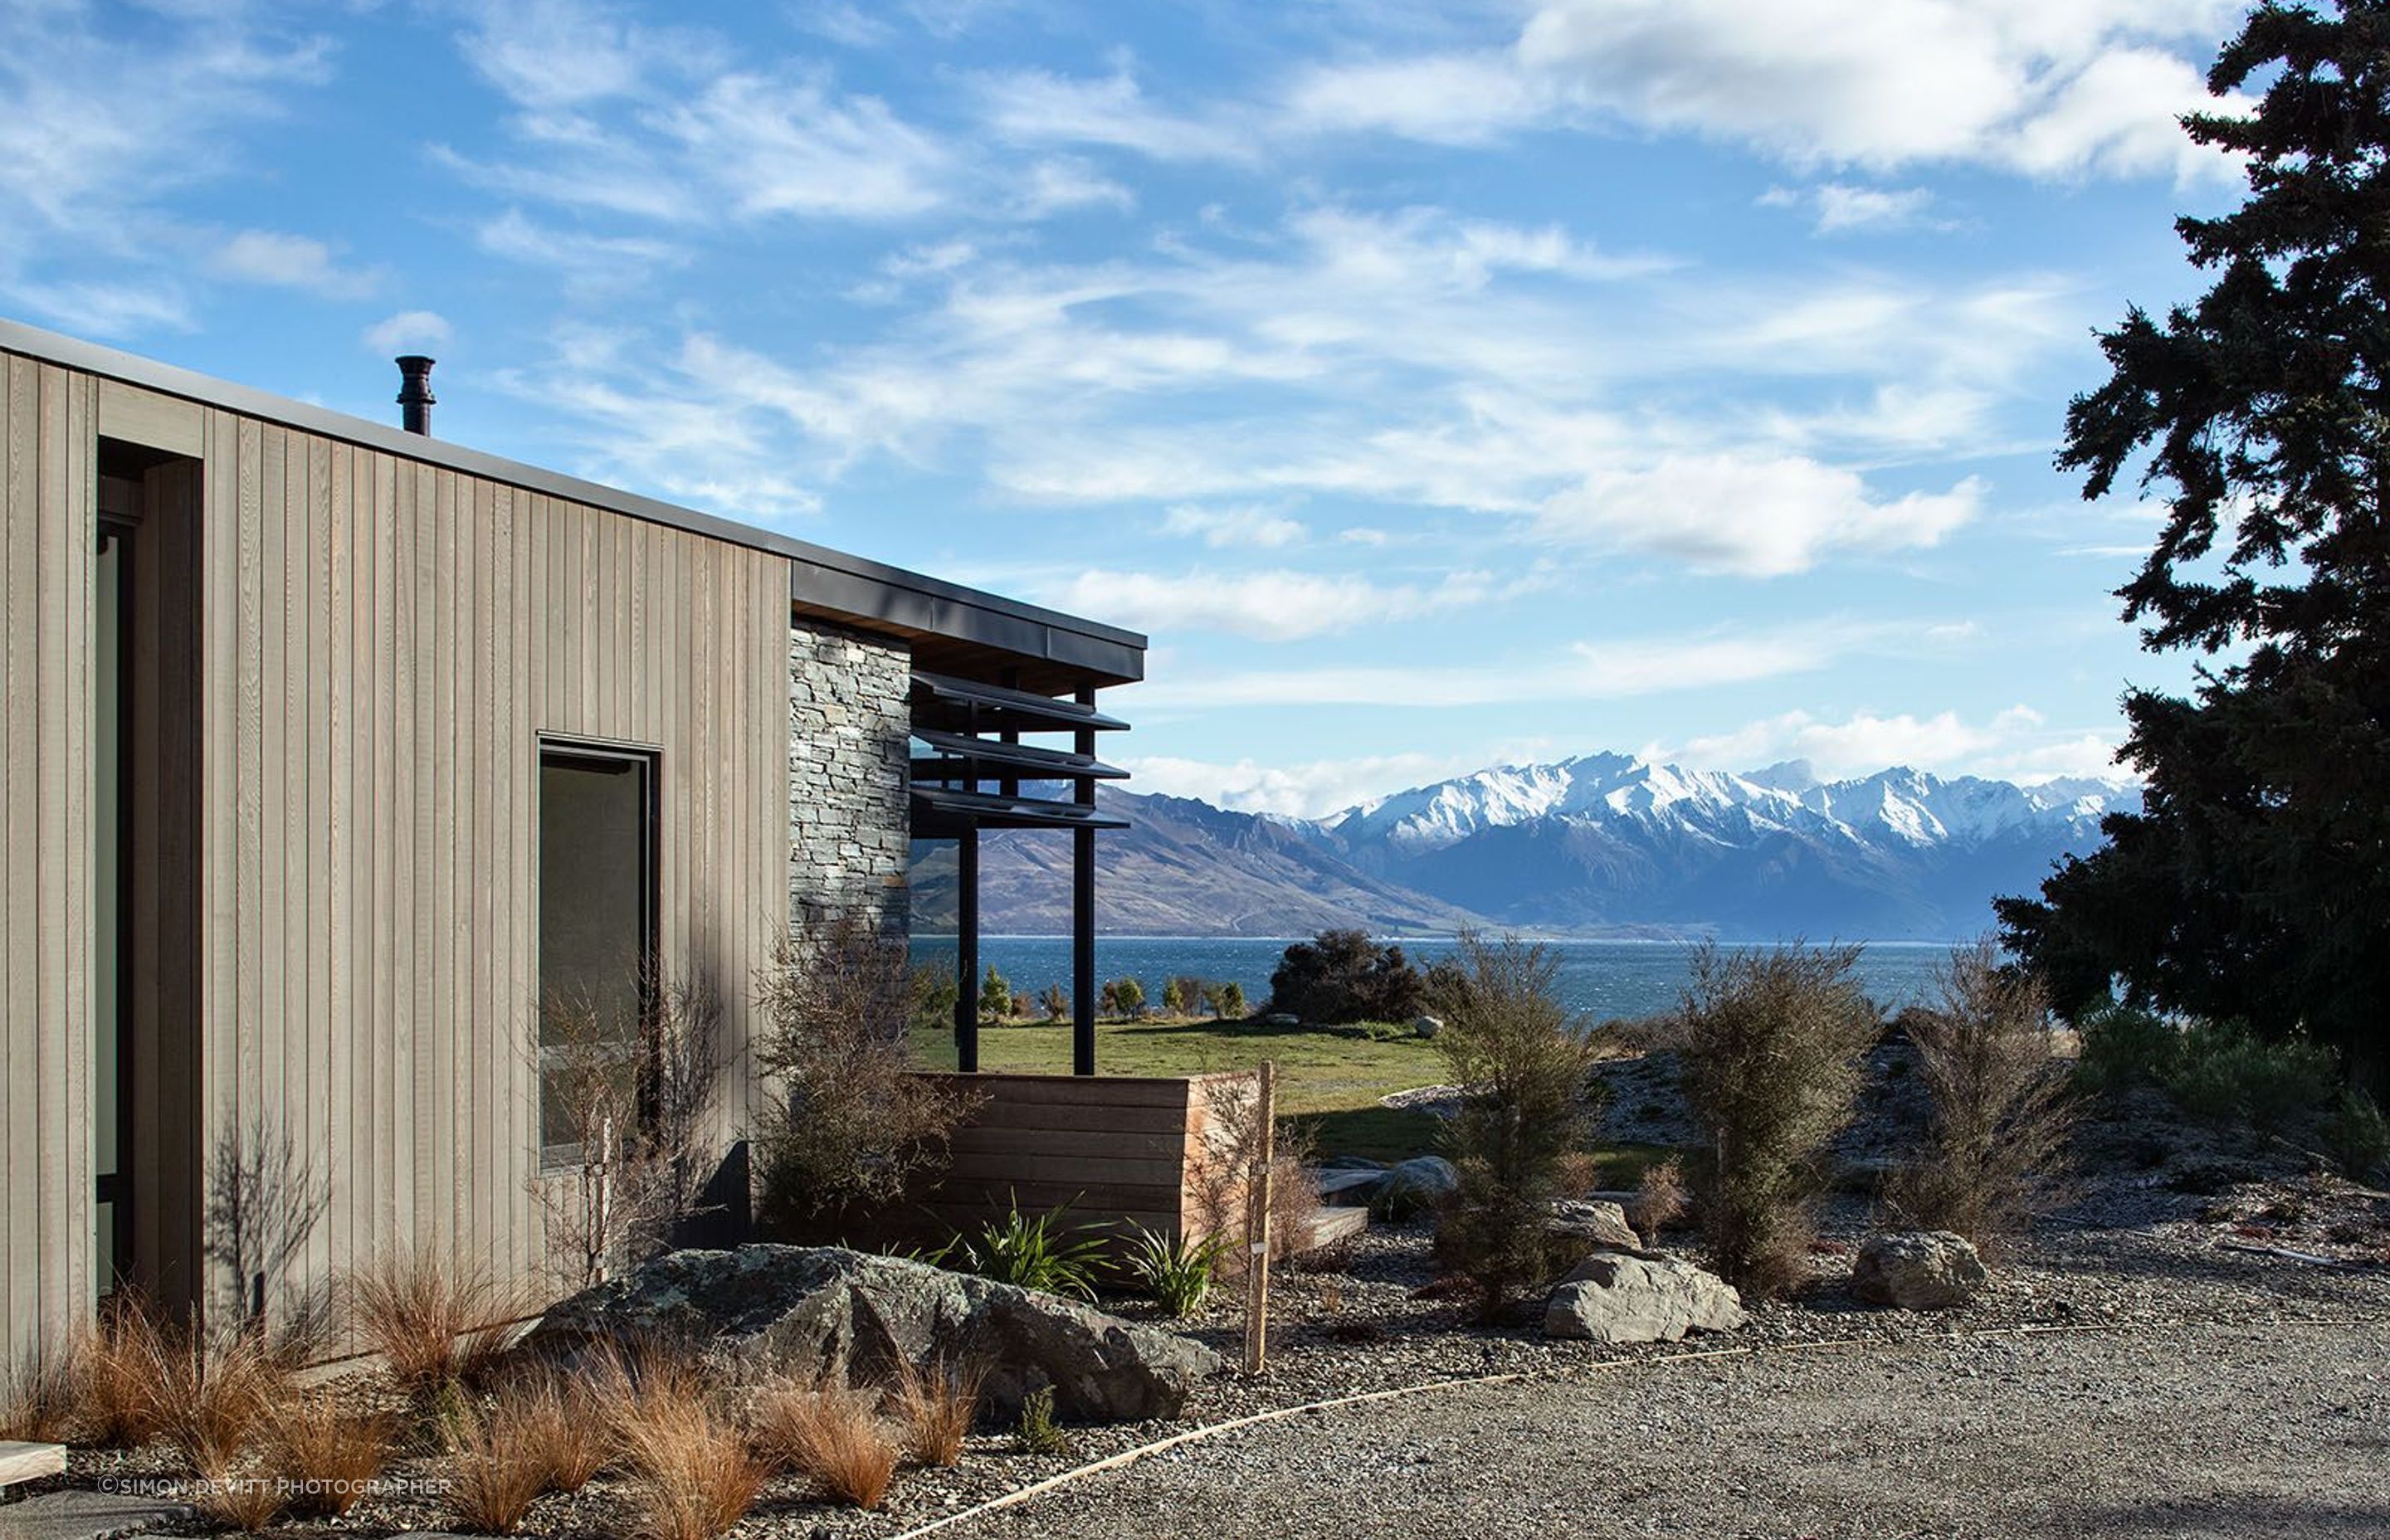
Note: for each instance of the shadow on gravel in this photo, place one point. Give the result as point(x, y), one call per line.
point(2273, 1518)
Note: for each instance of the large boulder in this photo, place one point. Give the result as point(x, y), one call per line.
point(1918, 1270)
point(826, 1311)
point(1415, 1187)
point(1624, 1296)
point(1594, 1221)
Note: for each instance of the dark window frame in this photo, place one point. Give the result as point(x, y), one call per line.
point(560, 750)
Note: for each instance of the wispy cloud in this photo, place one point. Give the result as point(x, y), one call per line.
point(283, 261)
point(1277, 606)
point(2016, 744)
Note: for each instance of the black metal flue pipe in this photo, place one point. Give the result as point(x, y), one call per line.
point(415, 397)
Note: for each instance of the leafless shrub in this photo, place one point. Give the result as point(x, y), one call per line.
point(1659, 1199)
point(629, 1106)
point(330, 1452)
point(1521, 1061)
point(433, 1318)
point(937, 1406)
point(41, 1389)
point(1771, 1043)
point(2001, 1116)
point(851, 1124)
point(1219, 1181)
point(832, 1436)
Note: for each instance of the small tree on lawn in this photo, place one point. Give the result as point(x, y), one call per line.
point(1173, 998)
point(994, 998)
point(1522, 1060)
point(1123, 999)
point(1342, 976)
point(1228, 1001)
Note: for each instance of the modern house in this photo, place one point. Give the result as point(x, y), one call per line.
point(332, 750)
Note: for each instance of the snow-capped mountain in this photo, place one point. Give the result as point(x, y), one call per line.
point(1605, 843)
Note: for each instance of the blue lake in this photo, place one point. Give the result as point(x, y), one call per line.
point(1600, 978)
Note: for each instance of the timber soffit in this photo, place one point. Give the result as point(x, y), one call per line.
point(822, 581)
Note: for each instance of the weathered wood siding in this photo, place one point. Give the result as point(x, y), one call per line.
point(387, 642)
point(46, 558)
point(382, 644)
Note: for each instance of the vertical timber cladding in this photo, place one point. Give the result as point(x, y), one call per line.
point(385, 644)
point(49, 488)
point(850, 722)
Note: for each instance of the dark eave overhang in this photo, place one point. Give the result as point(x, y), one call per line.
point(959, 628)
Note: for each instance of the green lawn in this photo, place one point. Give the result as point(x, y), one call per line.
point(1328, 1078)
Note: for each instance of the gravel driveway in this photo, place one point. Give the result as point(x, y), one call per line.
point(2277, 1430)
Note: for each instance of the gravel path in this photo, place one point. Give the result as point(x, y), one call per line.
point(2278, 1430)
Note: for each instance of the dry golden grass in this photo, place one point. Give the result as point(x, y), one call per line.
point(432, 1318)
point(936, 1407)
point(241, 1494)
point(125, 1362)
point(694, 1475)
point(500, 1465)
point(217, 1404)
point(560, 1415)
point(331, 1453)
point(831, 1435)
point(41, 1391)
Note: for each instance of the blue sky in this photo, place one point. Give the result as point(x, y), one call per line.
point(1440, 385)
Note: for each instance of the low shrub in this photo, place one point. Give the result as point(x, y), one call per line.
point(331, 1453)
point(937, 1407)
point(2124, 1047)
point(1522, 1059)
point(1219, 1197)
point(2225, 1074)
point(432, 1317)
point(832, 1436)
point(1176, 1271)
point(2358, 1136)
point(2001, 1117)
point(1771, 1045)
point(1035, 1253)
point(1037, 1432)
point(1122, 999)
point(1342, 976)
point(1659, 1198)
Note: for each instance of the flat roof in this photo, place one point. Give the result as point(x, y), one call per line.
point(1058, 650)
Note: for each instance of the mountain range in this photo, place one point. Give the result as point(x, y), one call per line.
point(1603, 845)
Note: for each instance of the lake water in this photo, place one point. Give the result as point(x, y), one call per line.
point(1600, 978)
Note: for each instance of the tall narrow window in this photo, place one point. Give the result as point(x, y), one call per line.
point(596, 937)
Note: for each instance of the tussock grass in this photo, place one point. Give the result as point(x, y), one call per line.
point(561, 1415)
point(124, 1365)
point(41, 1391)
point(432, 1318)
point(240, 1494)
point(500, 1464)
point(216, 1406)
point(831, 1435)
point(936, 1409)
point(331, 1453)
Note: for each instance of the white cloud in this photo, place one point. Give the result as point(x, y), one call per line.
point(106, 309)
point(2040, 87)
point(409, 332)
point(1587, 671)
point(1270, 605)
point(1310, 790)
point(1750, 514)
point(1243, 525)
point(1058, 183)
point(1837, 207)
point(791, 145)
point(282, 260)
point(2014, 744)
point(590, 264)
point(1036, 107)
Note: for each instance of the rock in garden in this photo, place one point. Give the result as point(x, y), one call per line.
point(853, 1315)
point(1614, 1297)
point(1918, 1270)
point(1592, 1221)
point(1415, 1187)
point(1426, 1026)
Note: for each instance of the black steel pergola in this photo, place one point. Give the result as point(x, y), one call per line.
point(971, 772)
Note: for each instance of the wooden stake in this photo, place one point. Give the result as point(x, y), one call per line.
point(1257, 1227)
